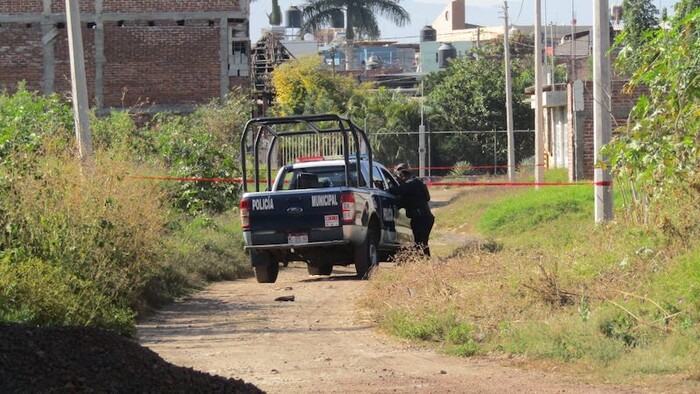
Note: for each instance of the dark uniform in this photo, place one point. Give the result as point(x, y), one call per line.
point(414, 198)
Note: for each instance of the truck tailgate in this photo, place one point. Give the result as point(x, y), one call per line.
point(295, 216)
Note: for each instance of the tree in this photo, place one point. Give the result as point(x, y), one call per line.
point(301, 86)
point(685, 8)
point(391, 119)
point(658, 151)
point(640, 18)
point(470, 95)
point(275, 17)
point(361, 15)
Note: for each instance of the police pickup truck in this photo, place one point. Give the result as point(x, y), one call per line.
point(317, 210)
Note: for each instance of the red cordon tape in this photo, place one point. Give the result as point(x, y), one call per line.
point(511, 184)
point(189, 179)
point(502, 184)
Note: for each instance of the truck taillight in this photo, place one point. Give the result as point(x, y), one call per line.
point(347, 202)
point(245, 213)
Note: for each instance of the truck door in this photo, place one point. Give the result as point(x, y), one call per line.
point(387, 206)
point(401, 221)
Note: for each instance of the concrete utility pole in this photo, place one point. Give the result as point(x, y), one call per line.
point(539, 120)
point(421, 137)
point(509, 98)
point(78, 82)
point(602, 125)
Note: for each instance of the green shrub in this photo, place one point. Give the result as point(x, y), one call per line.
point(38, 293)
point(26, 118)
point(101, 229)
point(434, 327)
point(94, 245)
point(413, 327)
point(202, 145)
point(460, 341)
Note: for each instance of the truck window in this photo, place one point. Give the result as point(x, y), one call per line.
point(377, 179)
point(316, 177)
point(307, 180)
point(389, 178)
point(288, 182)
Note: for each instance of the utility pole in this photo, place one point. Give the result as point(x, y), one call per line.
point(78, 82)
point(509, 97)
point(421, 137)
point(602, 125)
point(573, 42)
point(539, 121)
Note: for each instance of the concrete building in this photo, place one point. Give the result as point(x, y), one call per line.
point(167, 55)
point(567, 107)
point(450, 26)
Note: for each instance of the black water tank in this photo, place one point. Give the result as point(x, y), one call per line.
point(293, 17)
point(616, 13)
point(427, 33)
point(338, 20)
point(446, 51)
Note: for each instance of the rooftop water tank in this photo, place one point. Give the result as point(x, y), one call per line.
point(446, 51)
point(293, 17)
point(616, 13)
point(427, 33)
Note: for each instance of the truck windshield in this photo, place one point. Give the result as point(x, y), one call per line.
point(316, 177)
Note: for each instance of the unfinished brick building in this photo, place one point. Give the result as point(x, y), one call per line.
point(169, 54)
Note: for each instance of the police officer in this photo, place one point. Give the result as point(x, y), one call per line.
point(414, 198)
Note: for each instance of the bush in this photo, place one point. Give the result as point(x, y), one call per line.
point(38, 293)
point(202, 145)
point(100, 229)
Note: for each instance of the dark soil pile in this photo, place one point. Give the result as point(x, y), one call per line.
point(79, 359)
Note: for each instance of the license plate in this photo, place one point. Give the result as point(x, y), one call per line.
point(332, 220)
point(297, 238)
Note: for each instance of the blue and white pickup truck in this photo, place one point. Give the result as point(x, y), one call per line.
point(323, 212)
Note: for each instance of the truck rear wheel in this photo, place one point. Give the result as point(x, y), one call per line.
point(265, 270)
point(267, 273)
point(367, 254)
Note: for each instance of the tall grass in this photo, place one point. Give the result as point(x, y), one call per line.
point(92, 226)
point(94, 245)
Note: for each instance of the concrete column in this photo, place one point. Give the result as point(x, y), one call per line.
point(225, 42)
point(99, 54)
point(48, 38)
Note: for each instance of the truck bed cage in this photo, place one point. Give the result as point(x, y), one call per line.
point(290, 126)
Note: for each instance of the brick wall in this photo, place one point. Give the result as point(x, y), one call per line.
point(166, 64)
point(621, 103)
point(62, 61)
point(14, 7)
point(170, 5)
point(20, 56)
point(163, 52)
point(21, 6)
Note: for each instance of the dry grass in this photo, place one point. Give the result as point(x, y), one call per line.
point(569, 291)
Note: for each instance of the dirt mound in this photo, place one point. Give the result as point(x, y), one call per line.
point(78, 359)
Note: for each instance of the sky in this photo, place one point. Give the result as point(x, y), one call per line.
point(480, 12)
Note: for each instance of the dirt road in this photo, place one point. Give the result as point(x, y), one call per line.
point(319, 343)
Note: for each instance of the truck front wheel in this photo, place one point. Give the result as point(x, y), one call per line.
point(367, 254)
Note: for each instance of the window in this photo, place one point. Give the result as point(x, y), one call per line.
point(238, 63)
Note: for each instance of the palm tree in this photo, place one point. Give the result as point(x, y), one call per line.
point(360, 16)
